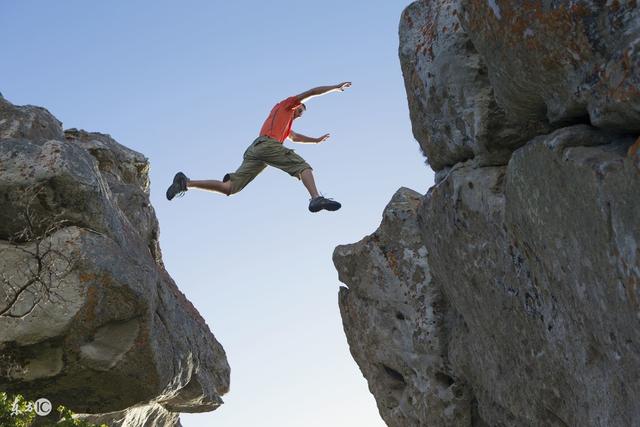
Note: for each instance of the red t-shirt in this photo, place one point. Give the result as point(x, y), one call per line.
point(278, 124)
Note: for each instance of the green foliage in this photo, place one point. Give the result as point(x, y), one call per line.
point(67, 420)
point(16, 411)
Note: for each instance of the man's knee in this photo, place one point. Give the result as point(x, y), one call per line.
point(227, 185)
point(305, 171)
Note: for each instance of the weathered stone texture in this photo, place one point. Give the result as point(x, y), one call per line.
point(89, 317)
point(152, 415)
point(546, 264)
point(518, 298)
point(28, 122)
point(453, 110)
point(484, 77)
point(537, 264)
point(390, 287)
point(561, 61)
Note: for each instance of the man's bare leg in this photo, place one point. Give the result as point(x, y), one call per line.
point(317, 203)
point(308, 181)
point(211, 185)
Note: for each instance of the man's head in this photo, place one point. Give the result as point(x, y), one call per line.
point(300, 109)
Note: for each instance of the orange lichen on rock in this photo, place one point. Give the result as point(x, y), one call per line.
point(86, 277)
point(409, 21)
point(393, 262)
point(88, 312)
point(633, 150)
point(632, 286)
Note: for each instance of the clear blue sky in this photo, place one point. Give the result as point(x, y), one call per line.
point(189, 84)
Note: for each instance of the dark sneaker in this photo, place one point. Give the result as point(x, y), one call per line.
point(320, 203)
point(178, 187)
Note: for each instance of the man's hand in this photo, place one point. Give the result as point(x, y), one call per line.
point(322, 138)
point(342, 86)
point(298, 137)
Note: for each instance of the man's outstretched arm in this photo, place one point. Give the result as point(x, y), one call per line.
point(298, 137)
point(321, 90)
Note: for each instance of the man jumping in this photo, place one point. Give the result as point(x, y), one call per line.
point(268, 149)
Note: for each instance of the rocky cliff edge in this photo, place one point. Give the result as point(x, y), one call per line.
point(508, 295)
point(89, 317)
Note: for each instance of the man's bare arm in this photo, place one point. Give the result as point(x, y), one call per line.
point(298, 137)
point(321, 90)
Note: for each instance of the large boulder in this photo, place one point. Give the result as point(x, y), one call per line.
point(484, 77)
point(508, 294)
point(546, 265)
point(393, 319)
point(536, 265)
point(561, 62)
point(454, 113)
point(89, 317)
point(28, 122)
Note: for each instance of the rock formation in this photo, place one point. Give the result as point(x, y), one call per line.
point(89, 317)
point(151, 415)
point(508, 294)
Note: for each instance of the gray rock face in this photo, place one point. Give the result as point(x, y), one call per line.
point(546, 261)
point(390, 287)
point(483, 78)
point(532, 269)
point(561, 61)
point(454, 114)
point(508, 294)
point(28, 122)
point(89, 317)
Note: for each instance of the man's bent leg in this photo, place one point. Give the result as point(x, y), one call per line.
point(222, 187)
point(307, 179)
point(274, 154)
point(317, 202)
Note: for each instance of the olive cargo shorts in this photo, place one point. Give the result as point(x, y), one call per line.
point(262, 152)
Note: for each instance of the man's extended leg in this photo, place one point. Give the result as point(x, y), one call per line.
point(178, 186)
point(307, 179)
point(230, 184)
point(181, 184)
point(222, 187)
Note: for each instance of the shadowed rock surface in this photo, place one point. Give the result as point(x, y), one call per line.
point(508, 294)
point(560, 61)
point(89, 317)
point(152, 415)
